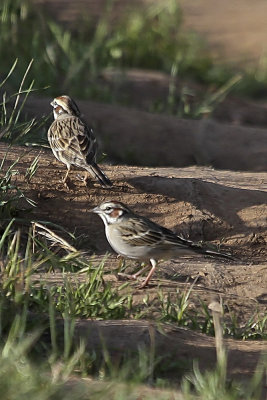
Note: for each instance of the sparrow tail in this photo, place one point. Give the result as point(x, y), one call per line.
point(199, 248)
point(218, 254)
point(209, 252)
point(99, 175)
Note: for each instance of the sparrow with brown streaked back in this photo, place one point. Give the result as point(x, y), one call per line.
point(72, 141)
point(137, 237)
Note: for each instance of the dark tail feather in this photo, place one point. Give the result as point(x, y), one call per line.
point(100, 176)
point(218, 254)
point(205, 251)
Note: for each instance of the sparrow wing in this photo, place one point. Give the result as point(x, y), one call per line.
point(71, 136)
point(143, 232)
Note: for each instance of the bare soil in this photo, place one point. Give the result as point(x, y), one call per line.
point(226, 208)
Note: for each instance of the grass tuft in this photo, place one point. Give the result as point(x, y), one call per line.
point(72, 61)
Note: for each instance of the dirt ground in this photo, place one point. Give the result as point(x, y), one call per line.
point(226, 208)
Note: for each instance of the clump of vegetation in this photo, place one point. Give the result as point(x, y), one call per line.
point(177, 308)
point(15, 127)
point(71, 61)
point(214, 384)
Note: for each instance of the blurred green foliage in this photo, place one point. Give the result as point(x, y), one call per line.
point(71, 61)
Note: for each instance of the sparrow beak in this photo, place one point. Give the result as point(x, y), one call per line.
point(53, 104)
point(95, 210)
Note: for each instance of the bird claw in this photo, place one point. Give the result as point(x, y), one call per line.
point(144, 284)
point(128, 276)
point(80, 177)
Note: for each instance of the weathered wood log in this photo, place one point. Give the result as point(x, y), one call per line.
point(136, 137)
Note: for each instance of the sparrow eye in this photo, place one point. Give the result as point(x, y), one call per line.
point(108, 208)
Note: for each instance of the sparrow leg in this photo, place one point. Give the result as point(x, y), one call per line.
point(66, 177)
point(127, 276)
point(87, 180)
point(140, 272)
point(136, 276)
point(153, 263)
point(133, 276)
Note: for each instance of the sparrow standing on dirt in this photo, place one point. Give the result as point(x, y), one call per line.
point(72, 141)
point(137, 237)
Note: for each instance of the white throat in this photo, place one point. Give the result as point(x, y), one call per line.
point(55, 113)
point(109, 219)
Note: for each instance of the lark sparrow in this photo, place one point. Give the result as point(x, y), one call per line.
point(72, 141)
point(137, 237)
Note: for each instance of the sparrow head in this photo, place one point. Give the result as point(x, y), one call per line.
point(111, 211)
point(64, 105)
